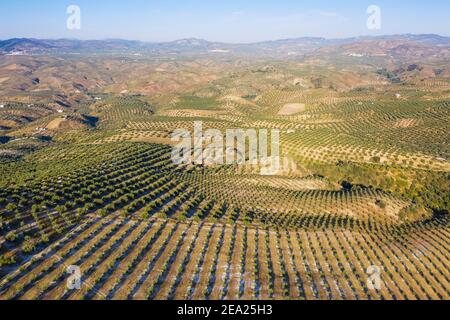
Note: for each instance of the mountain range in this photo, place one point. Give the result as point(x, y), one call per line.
point(293, 47)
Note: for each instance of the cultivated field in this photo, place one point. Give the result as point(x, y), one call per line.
point(88, 180)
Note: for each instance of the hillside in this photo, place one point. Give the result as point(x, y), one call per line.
point(88, 177)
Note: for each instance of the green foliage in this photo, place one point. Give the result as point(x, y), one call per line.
point(28, 245)
point(11, 236)
point(4, 261)
point(11, 207)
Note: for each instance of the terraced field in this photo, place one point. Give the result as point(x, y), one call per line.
point(364, 185)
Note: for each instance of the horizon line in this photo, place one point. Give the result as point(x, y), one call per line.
point(235, 43)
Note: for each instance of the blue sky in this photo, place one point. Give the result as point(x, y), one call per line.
point(219, 20)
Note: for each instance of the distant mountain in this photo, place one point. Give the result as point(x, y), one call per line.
point(24, 44)
point(290, 47)
point(426, 38)
point(400, 48)
point(66, 45)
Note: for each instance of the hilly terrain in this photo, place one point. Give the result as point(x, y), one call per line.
point(88, 180)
